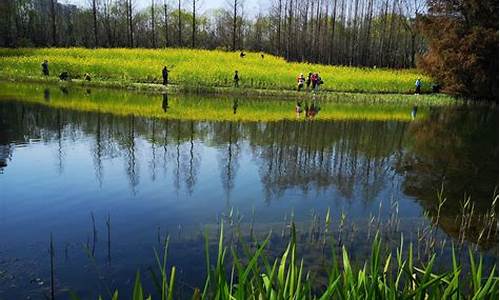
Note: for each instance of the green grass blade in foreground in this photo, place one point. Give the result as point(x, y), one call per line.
point(285, 280)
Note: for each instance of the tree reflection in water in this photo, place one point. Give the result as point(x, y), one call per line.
point(457, 147)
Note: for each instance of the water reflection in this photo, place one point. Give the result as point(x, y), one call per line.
point(235, 106)
point(164, 103)
point(414, 112)
point(359, 161)
point(46, 94)
point(456, 148)
point(58, 166)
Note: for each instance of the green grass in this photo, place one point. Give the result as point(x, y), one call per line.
point(252, 274)
point(199, 68)
point(191, 107)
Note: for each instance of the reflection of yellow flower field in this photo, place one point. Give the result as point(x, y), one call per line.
point(204, 108)
point(200, 67)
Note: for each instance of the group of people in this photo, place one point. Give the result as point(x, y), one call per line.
point(243, 54)
point(64, 75)
point(312, 79)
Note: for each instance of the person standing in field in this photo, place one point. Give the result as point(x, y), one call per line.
point(319, 81)
point(300, 81)
point(418, 85)
point(164, 74)
point(236, 79)
point(45, 68)
point(314, 81)
point(308, 80)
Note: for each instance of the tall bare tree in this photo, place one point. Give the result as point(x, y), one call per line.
point(179, 24)
point(153, 35)
point(53, 21)
point(94, 18)
point(193, 37)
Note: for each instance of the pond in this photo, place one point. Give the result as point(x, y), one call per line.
point(108, 187)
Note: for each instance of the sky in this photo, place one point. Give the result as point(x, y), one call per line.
point(251, 7)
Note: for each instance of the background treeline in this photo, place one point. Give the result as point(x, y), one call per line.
point(371, 33)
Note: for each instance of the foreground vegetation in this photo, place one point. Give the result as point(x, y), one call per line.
point(254, 275)
point(198, 68)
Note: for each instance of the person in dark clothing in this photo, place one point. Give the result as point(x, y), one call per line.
point(436, 88)
point(300, 82)
point(418, 85)
point(235, 106)
point(236, 79)
point(308, 80)
point(45, 68)
point(164, 74)
point(262, 55)
point(64, 76)
point(164, 103)
point(314, 81)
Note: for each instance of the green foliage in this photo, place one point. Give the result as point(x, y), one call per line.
point(462, 38)
point(384, 276)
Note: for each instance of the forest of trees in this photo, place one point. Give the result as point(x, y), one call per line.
point(380, 33)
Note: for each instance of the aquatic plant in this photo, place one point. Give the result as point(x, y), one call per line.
point(253, 274)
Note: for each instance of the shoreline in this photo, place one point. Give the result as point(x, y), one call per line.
point(158, 89)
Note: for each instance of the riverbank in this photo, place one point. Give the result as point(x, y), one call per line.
point(73, 96)
point(200, 71)
point(153, 88)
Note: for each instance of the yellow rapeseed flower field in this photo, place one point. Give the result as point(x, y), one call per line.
point(200, 68)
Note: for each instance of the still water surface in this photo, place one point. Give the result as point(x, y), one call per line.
point(152, 177)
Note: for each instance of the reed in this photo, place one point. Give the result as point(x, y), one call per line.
point(383, 275)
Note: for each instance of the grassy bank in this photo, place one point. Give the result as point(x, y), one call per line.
point(213, 108)
point(196, 69)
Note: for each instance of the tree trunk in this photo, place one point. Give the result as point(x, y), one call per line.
point(53, 19)
point(279, 28)
point(235, 12)
point(153, 23)
point(332, 41)
point(165, 19)
point(94, 16)
point(193, 38)
point(179, 24)
point(130, 23)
